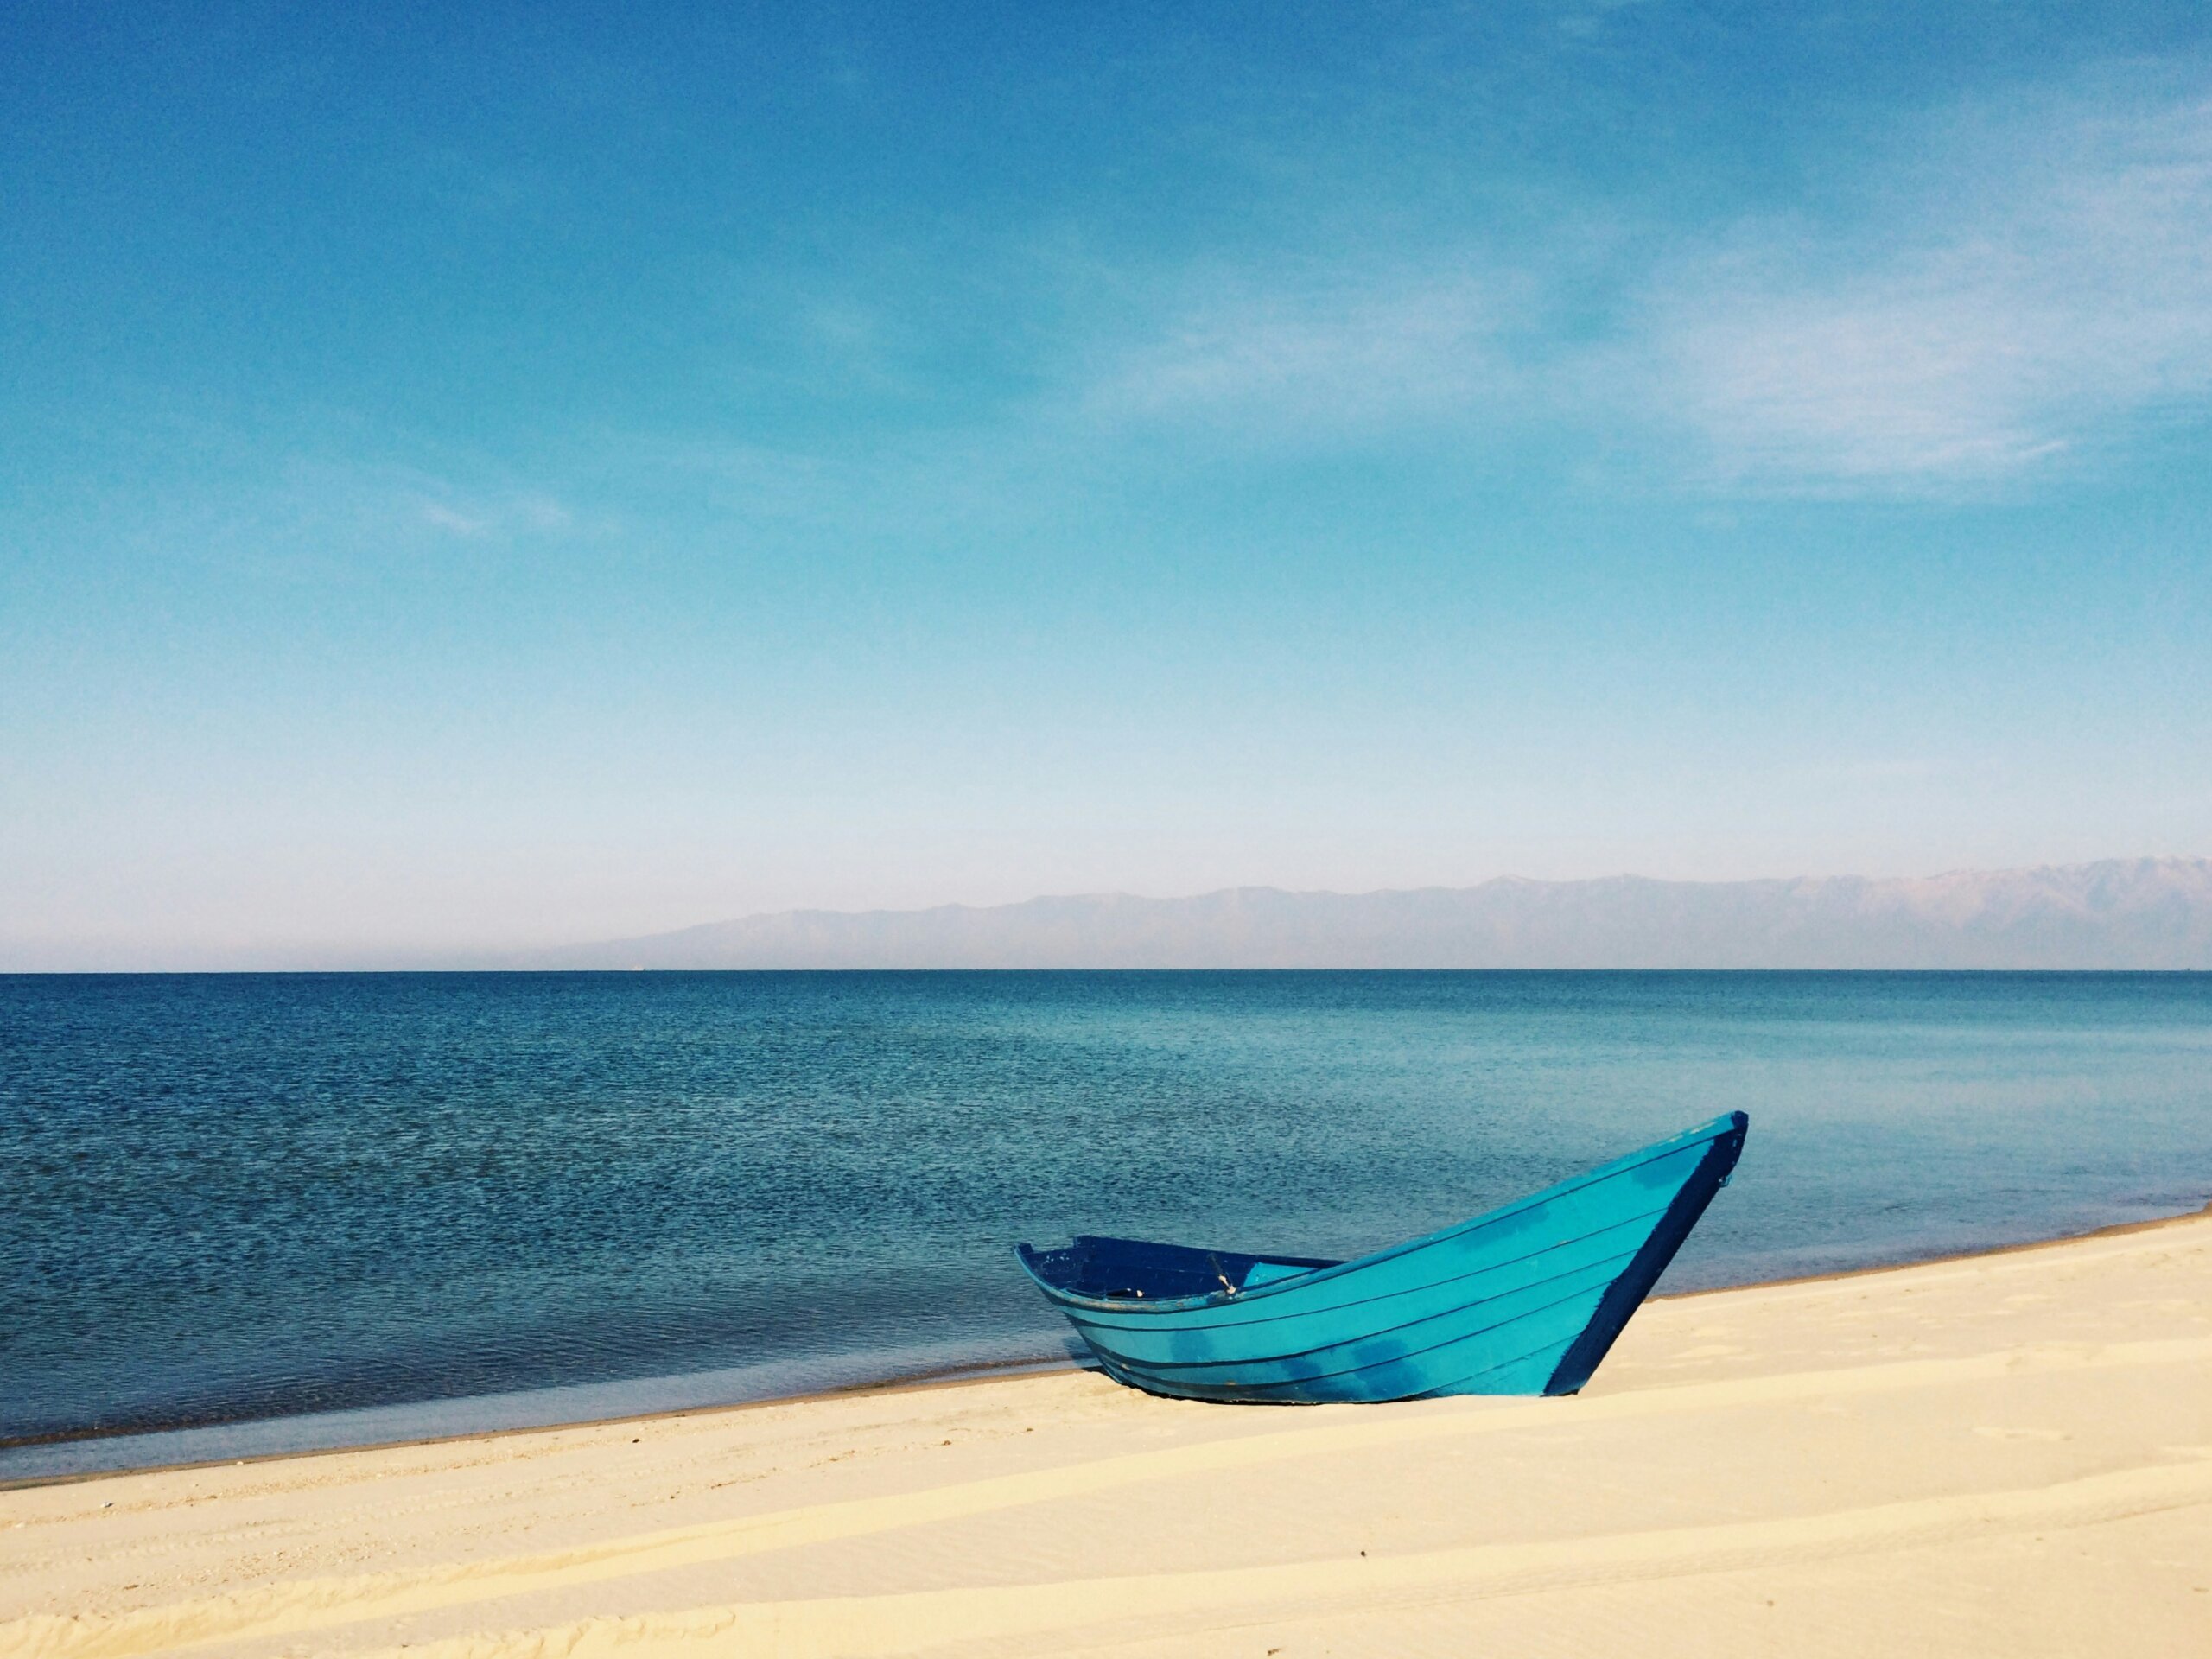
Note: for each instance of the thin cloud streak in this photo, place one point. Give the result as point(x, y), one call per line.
point(2005, 318)
point(2023, 289)
point(1342, 351)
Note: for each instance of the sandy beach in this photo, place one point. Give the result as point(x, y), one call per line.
point(2009, 1453)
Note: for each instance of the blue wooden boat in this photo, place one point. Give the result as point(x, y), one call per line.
point(1526, 1299)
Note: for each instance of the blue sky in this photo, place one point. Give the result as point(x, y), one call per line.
point(554, 473)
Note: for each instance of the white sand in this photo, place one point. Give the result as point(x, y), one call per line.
point(2009, 1455)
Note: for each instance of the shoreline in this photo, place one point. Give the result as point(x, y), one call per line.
point(2056, 1241)
point(2002, 1452)
point(953, 1376)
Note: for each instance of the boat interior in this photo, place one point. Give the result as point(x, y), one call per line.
point(1135, 1271)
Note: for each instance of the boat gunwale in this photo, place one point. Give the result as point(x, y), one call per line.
point(1727, 1124)
point(1145, 1326)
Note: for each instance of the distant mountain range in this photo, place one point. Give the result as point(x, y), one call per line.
point(2121, 913)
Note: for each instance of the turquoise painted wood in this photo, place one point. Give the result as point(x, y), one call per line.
point(1526, 1299)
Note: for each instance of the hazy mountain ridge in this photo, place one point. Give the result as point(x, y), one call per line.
point(2117, 913)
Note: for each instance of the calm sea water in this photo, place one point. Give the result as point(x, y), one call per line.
point(283, 1210)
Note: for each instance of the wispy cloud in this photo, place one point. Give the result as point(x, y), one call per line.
point(475, 516)
point(2036, 286)
point(316, 518)
point(1330, 351)
point(2006, 288)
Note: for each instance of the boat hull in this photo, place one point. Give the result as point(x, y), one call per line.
point(1525, 1299)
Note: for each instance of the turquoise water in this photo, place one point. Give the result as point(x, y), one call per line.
point(247, 1213)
